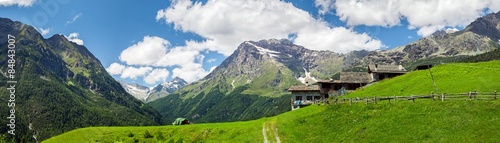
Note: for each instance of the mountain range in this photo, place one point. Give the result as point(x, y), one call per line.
point(255, 78)
point(61, 86)
point(148, 94)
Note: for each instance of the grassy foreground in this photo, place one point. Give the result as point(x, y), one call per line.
point(423, 121)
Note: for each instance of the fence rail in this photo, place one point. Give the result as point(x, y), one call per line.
point(473, 95)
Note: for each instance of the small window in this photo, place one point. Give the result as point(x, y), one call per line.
point(309, 98)
point(298, 97)
point(338, 87)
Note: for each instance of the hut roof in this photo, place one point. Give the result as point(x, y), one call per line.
point(386, 68)
point(304, 88)
point(355, 77)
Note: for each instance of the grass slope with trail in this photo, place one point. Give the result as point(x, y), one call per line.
point(423, 121)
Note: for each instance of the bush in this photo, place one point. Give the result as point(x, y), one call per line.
point(147, 134)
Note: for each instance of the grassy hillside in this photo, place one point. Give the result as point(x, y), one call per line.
point(427, 121)
point(423, 121)
point(450, 78)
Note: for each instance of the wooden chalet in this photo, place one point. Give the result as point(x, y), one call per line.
point(380, 72)
point(304, 95)
point(323, 89)
point(348, 81)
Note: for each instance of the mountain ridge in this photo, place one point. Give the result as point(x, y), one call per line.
point(62, 86)
point(148, 94)
point(266, 68)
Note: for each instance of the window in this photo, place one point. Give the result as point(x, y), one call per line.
point(298, 97)
point(309, 98)
point(338, 87)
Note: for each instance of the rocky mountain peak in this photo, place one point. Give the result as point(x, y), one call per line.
point(178, 80)
point(488, 25)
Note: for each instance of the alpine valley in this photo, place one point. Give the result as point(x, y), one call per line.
point(61, 86)
point(253, 81)
point(147, 94)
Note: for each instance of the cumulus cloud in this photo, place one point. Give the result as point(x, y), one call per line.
point(146, 52)
point(43, 31)
point(427, 16)
point(134, 73)
point(225, 24)
point(115, 69)
point(20, 3)
point(341, 39)
point(157, 75)
point(191, 72)
point(155, 51)
point(324, 6)
point(73, 37)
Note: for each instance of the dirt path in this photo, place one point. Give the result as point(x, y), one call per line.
point(278, 140)
point(264, 133)
point(266, 127)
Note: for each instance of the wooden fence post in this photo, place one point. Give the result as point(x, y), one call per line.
point(475, 94)
point(442, 97)
point(395, 98)
point(495, 96)
point(432, 95)
point(389, 99)
point(375, 99)
point(470, 95)
point(412, 99)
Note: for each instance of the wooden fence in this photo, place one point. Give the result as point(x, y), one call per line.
point(473, 95)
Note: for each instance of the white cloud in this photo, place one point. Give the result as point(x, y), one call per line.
point(43, 31)
point(191, 72)
point(179, 56)
point(115, 69)
point(211, 60)
point(155, 51)
point(157, 75)
point(146, 52)
point(427, 16)
point(324, 6)
point(73, 37)
point(212, 69)
point(225, 24)
point(134, 73)
point(20, 3)
point(74, 18)
point(340, 39)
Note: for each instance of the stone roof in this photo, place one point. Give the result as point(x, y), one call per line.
point(304, 88)
point(355, 77)
point(386, 68)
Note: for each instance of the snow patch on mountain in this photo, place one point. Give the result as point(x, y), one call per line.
point(144, 93)
point(308, 80)
point(265, 51)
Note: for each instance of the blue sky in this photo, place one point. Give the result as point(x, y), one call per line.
point(152, 42)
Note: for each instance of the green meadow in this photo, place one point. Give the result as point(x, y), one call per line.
point(403, 121)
